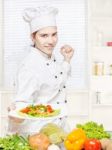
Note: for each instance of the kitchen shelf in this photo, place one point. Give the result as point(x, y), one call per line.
point(103, 83)
point(102, 105)
point(99, 53)
point(100, 32)
point(102, 48)
point(102, 77)
point(102, 18)
point(2, 90)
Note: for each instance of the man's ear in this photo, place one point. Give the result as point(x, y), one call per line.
point(32, 37)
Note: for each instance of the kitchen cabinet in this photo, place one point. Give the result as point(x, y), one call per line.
point(98, 99)
point(100, 56)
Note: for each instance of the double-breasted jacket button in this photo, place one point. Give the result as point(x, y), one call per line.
point(61, 72)
point(55, 76)
point(65, 101)
point(47, 64)
point(59, 90)
point(64, 86)
point(54, 60)
point(57, 102)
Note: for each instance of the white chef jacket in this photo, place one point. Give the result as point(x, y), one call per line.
point(41, 80)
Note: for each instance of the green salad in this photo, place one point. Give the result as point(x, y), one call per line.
point(39, 111)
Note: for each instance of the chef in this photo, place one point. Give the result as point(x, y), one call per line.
point(41, 78)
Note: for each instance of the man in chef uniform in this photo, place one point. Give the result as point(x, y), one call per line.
point(41, 79)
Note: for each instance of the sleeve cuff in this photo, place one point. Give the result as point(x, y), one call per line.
point(67, 67)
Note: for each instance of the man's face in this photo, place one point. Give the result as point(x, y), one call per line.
point(46, 39)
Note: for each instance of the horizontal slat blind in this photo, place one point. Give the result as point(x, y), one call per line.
point(71, 22)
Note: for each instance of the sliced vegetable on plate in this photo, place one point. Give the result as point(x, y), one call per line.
point(39, 110)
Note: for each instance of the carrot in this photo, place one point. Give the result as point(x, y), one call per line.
point(25, 110)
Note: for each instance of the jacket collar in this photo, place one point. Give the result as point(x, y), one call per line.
point(41, 54)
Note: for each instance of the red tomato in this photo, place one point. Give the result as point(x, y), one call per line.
point(92, 144)
point(49, 108)
point(25, 110)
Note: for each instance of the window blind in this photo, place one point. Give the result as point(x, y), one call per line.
point(71, 22)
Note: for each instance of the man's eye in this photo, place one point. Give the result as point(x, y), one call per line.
point(44, 35)
point(55, 34)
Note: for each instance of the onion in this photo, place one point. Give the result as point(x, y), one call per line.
point(109, 147)
point(105, 142)
point(53, 147)
point(39, 141)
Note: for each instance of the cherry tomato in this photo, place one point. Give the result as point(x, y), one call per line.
point(25, 110)
point(49, 108)
point(92, 144)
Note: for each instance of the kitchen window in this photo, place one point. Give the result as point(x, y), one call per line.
point(72, 27)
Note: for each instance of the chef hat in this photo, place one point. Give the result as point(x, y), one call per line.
point(40, 17)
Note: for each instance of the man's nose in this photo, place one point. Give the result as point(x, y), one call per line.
point(50, 39)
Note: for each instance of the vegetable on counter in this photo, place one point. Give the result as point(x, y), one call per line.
point(53, 147)
point(109, 147)
point(93, 130)
point(14, 142)
point(106, 144)
point(39, 141)
point(92, 144)
point(75, 140)
point(55, 133)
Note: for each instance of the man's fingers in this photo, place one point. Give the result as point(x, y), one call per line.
point(16, 120)
point(8, 109)
point(11, 107)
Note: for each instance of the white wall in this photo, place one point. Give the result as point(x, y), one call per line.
point(1, 51)
point(1, 42)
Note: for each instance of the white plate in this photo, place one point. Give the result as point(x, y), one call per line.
point(15, 114)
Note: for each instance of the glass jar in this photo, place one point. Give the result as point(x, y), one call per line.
point(98, 97)
point(98, 68)
point(110, 69)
